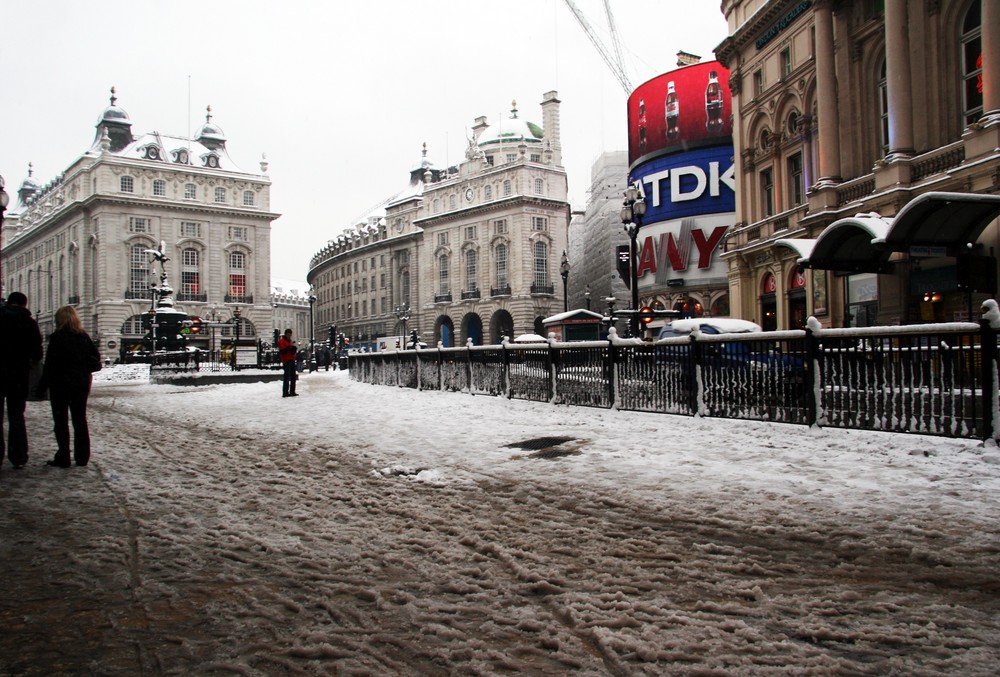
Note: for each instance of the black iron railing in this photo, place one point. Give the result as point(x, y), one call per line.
point(929, 379)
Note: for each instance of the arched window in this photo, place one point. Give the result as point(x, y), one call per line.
point(138, 278)
point(507, 188)
point(541, 264)
point(249, 198)
point(443, 287)
point(500, 256)
point(487, 192)
point(883, 110)
point(972, 63)
point(237, 277)
point(539, 187)
point(190, 275)
point(471, 269)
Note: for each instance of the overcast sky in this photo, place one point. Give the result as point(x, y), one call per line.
point(340, 96)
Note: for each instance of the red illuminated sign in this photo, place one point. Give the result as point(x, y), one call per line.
point(686, 108)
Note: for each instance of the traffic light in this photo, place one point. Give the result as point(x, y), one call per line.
point(645, 315)
point(333, 335)
point(196, 325)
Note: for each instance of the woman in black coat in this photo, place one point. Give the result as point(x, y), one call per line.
point(70, 359)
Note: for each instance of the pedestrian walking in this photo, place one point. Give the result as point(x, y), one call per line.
point(70, 360)
point(287, 352)
point(20, 349)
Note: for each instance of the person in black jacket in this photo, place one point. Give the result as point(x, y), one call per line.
point(70, 359)
point(20, 347)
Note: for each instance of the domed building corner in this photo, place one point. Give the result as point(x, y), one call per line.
point(462, 253)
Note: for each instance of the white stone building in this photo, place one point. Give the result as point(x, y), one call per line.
point(83, 238)
point(469, 252)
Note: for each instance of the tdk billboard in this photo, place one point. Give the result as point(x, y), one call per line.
point(681, 156)
point(688, 184)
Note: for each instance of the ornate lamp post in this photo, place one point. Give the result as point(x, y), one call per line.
point(633, 209)
point(564, 273)
point(402, 313)
point(312, 335)
point(236, 342)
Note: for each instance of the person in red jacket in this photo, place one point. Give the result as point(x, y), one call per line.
point(286, 351)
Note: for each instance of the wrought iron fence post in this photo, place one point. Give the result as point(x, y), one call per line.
point(988, 345)
point(550, 367)
point(697, 385)
point(468, 365)
point(611, 368)
point(506, 370)
point(812, 377)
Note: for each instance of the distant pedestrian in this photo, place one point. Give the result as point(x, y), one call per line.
point(70, 359)
point(287, 352)
point(20, 348)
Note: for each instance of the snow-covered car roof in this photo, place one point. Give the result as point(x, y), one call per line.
point(721, 325)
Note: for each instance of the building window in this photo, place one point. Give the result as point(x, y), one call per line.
point(443, 239)
point(489, 160)
point(539, 187)
point(190, 275)
point(249, 198)
point(443, 274)
point(767, 192)
point(451, 202)
point(190, 191)
point(190, 229)
point(159, 187)
point(796, 187)
point(488, 192)
point(500, 227)
point(972, 63)
point(536, 157)
point(138, 278)
point(758, 82)
point(237, 274)
point(507, 188)
point(238, 233)
point(539, 223)
point(138, 224)
point(471, 269)
point(786, 62)
point(541, 266)
point(220, 194)
point(405, 288)
point(500, 255)
point(511, 157)
point(470, 232)
point(127, 184)
point(883, 111)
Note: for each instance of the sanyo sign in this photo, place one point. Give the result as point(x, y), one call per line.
point(688, 184)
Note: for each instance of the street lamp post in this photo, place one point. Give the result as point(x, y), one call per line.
point(564, 272)
point(633, 209)
point(236, 329)
point(586, 296)
point(4, 201)
point(312, 335)
point(402, 313)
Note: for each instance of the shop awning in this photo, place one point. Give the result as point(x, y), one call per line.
point(849, 246)
point(941, 224)
point(801, 246)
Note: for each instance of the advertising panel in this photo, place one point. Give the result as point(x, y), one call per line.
point(684, 109)
point(683, 252)
point(688, 183)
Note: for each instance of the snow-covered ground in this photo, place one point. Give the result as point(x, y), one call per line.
point(357, 529)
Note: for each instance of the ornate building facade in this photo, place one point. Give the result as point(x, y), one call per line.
point(84, 238)
point(469, 252)
point(867, 136)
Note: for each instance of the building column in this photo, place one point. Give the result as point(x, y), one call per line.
point(826, 97)
point(991, 60)
point(898, 79)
